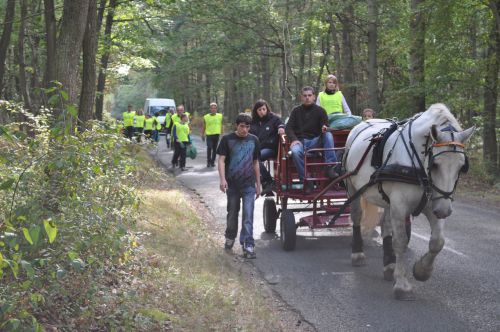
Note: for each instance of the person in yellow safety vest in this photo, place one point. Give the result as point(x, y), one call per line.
point(212, 128)
point(332, 99)
point(139, 124)
point(181, 137)
point(176, 118)
point(128, 122)
point(157, 127)
point(166, 125)
point(149, 125)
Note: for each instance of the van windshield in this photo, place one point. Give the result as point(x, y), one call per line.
point(160, 109)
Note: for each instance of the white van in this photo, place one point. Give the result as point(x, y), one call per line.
point(160, 105)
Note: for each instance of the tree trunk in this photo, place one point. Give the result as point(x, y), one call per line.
point(490, 149)
point(5, 40)
point(266, 75)
point(325, 50)
point(336, 47)
point(87, 97)
point(69, 47)
point(101, 80)
point(373, 93)
point(50, 36)
point(349, 86)
point(23, 84)
point(417, 56)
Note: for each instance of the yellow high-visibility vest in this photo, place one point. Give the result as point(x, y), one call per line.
point(168, 118)
point(182, 132)
point(149, 124)
point(331, 103)
point(213, 123)
point(139, 121)
point(128, 118)
point(158, 124)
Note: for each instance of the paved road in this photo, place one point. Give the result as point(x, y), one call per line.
point(318, 280)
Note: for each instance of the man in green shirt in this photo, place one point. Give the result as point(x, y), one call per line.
point(212, 128)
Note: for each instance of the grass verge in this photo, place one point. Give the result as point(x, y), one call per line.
point(178, 276)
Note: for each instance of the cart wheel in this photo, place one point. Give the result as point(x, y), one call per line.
point(408, 228)
point(288, 230)
point(270, 215)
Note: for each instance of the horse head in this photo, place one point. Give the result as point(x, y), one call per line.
point(446, 160)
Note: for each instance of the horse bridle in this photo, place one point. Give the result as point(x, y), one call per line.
point(426, 181)
point(430, 164)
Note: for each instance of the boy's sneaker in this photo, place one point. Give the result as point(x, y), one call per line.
point(249, 252)
point(229, 244)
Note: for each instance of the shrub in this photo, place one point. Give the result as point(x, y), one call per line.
point(66, 204)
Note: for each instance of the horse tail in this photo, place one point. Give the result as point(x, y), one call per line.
point(370, 217)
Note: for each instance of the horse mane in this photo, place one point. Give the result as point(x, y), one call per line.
point(442, 115)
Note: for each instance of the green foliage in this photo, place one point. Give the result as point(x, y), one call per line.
point(66, 203)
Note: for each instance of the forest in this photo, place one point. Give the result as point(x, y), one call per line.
point(396, 57)
point(68, 70)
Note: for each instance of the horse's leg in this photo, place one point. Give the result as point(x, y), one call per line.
point(422, 269)
point(357, 255)
point(389, 257)
point(402, 288)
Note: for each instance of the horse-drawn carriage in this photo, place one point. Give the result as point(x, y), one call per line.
point(310, 195)
point(420, 162)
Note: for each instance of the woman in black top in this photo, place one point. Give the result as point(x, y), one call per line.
point(266, 126)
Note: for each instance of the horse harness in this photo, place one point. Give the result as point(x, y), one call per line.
point(415, 174)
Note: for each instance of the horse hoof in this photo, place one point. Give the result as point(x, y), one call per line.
point(420, 273)
point(389, 272)
point(358, 259)
point(404, 295)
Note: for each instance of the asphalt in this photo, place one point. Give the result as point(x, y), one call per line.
point(317, 278)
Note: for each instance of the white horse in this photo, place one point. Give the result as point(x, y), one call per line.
point(430, 144)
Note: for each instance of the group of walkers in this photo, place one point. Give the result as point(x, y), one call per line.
point(136, 124)
point(243, 152)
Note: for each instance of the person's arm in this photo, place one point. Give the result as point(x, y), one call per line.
point(318, 100)
point(289, 129)
point(221, 166)
point(346, 108)
point(324, 120)
point(280, 125)
point(256, 170)
point(174, 133)
point(203, 130)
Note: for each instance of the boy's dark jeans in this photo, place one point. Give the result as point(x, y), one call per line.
point(212, 141)
point(234, 197)
point(179, 153)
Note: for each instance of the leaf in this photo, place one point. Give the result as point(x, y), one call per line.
point(53, 100)
point(77, 264)
point(60, 273)
point(12, 324)
point(50, 230)
point(14, 267)
point(72, 110)
point(28, 268)
point(35, 234)
point(72, 255)
point(4, 132)
point(7, 184)
point(64, 94)
point(27, 235)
